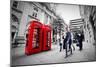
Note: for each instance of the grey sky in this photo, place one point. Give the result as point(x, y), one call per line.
point(68, 12)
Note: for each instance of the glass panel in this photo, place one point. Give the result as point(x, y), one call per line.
point(35, 38)
point(48, 39)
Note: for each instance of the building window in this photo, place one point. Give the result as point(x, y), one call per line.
point(15, 4)
point(34, 14)
point(88, 27)
point(36, 9)
point(12, 35)
point(14, 18)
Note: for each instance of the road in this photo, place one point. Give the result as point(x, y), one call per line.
point(53, 56)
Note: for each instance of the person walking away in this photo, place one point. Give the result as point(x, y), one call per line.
point(60, 44)
point(61, 41)
point(80, 39)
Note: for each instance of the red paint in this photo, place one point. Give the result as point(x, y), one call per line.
point(38, 38)
point(35, 36)
point(46, 37)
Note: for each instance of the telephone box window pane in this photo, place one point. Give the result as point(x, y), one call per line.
point(35, 38)
point(48, 39)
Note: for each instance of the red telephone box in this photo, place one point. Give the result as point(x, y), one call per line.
point(46, 37)
point(34, 38)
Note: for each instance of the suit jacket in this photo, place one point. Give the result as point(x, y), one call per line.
point(67, 40)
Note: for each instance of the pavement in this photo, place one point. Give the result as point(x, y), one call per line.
point(53, 56)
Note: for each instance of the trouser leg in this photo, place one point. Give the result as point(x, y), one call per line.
point(73, 47)
point(66, 50)
point(60, 48)
point(70, 48)
point(81, 45)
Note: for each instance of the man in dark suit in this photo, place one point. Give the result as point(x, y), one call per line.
point(80, 40)
point(67, 42)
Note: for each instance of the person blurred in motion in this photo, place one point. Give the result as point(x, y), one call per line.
point(60, 44)
point(61, 41)
point(67, 42)
point(80, 40)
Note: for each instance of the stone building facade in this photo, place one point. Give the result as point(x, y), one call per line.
point(88, 13)
point(22, 12)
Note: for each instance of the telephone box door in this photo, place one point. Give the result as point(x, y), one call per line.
point(46, 37)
